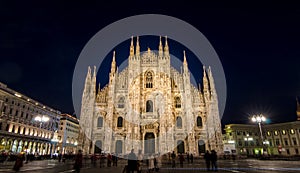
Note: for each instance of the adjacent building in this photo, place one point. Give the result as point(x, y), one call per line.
point(68, 134)
point(278, 139)
point(26, 125)
point(150, 106)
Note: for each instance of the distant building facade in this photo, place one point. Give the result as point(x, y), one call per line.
point(279, 139)
point(19, 132)
point(68, 134)
point(152, 107)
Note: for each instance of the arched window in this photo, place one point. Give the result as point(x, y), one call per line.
point(100, 122)
point(199, 121)
point(121, 102)
point(119, 146)
point(120, 122)
point(149, 80)
point(179, 122)
point(98, 146)
point(177, 102)
point(149, 106)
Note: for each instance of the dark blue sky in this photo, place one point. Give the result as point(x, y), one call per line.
point(258, 45)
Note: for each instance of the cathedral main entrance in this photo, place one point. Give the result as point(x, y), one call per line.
point(149, 143)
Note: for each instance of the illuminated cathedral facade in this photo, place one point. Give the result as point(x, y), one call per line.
point(150, 107)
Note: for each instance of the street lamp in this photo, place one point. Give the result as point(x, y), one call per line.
point(42, 119)
point(259, 119)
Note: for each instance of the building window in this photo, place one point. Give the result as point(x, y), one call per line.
point(178, 122)
point(121, 102)
point(149, 106)
point(286, 141)
point(4, 109)
point(240, 142)
point(283, 132)
point(288, 151)
point(294, 141)
point(296, 151)
point(177, 102)
point(276, 132)
point(100, 122)
point(268, 133)
point(199, 121)
point(149, 80)
point(292, 131)
point(238, 133)
point(120, 122)
point(277, 142)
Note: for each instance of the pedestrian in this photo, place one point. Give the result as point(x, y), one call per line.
point(207, 160)
point(78, 161)
point(18, 163)
point(109, 159)
point(151, 163)
point(140, 161)
point(213, 159)
point(173, 156)
point(59, 157)
point(181, 160)
point(132, 161)
point(115, 160)
point(188, 157)
point(192, 158)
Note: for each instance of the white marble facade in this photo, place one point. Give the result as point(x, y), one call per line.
point(150, 106)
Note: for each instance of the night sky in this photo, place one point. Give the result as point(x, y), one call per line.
point(258, 45)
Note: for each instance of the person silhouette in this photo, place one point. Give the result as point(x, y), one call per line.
point(207, 158)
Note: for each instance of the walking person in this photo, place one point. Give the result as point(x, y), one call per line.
point(192, 158)
point(188, 157)
point(78, 161)
point(132, 162)
point(173, 156)
point(181, 159)
point(207, 160)
point(140, 161)
point(213, 159)
point(18, 163)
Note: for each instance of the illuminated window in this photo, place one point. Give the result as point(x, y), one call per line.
point(292, 131)
point(149, 80)
point(177, 102)
point(268, 133)
point(276, 132)
point(283, 132)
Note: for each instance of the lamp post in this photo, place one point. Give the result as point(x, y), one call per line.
point(41, 119)
point(259, 119)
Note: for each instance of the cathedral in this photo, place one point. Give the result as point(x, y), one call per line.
point(150, 107)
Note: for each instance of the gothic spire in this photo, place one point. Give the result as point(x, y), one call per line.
point(113, 63)
point(166, 48)
point(160, 48)
point(137, 47)
point(205, 81)
point(131, 48)
point(185, 64)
